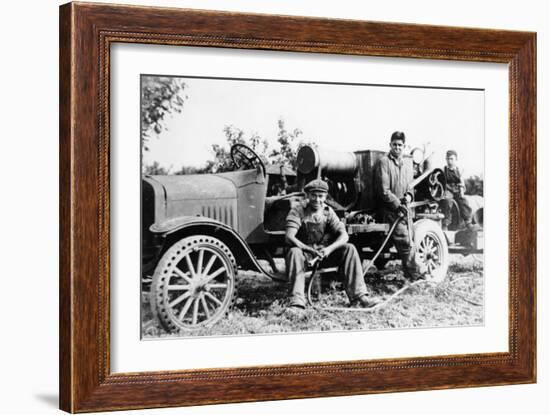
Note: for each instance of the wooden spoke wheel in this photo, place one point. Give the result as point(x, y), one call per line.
point(432, 253)
point(193, 284)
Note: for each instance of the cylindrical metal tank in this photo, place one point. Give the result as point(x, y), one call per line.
point(329, 162)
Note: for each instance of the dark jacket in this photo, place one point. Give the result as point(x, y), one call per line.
point(454, 179)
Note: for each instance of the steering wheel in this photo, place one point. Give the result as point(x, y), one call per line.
point(245, 158)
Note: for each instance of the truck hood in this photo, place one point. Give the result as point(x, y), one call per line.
point(190, 187)
point(204, 186)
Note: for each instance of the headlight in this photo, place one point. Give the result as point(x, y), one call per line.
point(417, 155)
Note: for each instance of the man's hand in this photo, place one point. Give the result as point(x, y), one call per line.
point(311, 250)
point(323, 252)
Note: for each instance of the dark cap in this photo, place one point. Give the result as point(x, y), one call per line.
point(398, 135)
point(452, 153)
point(316, 185)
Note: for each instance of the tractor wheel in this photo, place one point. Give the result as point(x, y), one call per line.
point(432, 253)
point(194, 284)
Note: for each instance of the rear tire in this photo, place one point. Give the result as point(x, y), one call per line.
point(432, 252)
point(194, 284)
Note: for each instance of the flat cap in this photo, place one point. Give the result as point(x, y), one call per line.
point(452, 153)
point(316, 185)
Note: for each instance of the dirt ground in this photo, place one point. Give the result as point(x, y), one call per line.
point(260, 306)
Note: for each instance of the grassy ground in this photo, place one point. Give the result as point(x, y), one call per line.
point(261, 305)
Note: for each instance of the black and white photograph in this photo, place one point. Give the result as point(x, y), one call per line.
point(271, 206)
point(276, 207)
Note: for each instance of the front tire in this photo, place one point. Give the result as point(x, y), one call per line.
point(194, 284)
point(432, 252)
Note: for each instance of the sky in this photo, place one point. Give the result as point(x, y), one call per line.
point(338, 117)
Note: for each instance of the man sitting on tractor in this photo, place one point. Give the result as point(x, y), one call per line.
point(455, 191)
point(393, 176)
point(315, 233)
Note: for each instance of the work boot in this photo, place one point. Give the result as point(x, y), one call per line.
point(297, 303)
point(363, 301)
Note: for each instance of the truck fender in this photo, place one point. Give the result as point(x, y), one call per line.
point(175, 229)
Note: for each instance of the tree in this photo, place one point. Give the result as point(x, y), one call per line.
point(222, 158)
point(155, 169)
point(190, 170)
point(288, 145)
point(285, 153)
point(160, 96)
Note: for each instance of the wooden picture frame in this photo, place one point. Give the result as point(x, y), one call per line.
point(86, 33)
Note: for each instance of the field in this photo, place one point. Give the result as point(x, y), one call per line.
point(260, 306)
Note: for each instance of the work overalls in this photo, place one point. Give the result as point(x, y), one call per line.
point(313, 233)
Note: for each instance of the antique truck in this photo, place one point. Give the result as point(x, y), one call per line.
point(199, 230)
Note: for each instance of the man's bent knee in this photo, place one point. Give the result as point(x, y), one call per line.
point(350, 250)
point(295, 253)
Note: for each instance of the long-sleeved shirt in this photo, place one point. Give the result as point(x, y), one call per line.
point(392, 180)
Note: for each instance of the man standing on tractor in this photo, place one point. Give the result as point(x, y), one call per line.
point(393, 176)
point(316, 234)
point(455, 192)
